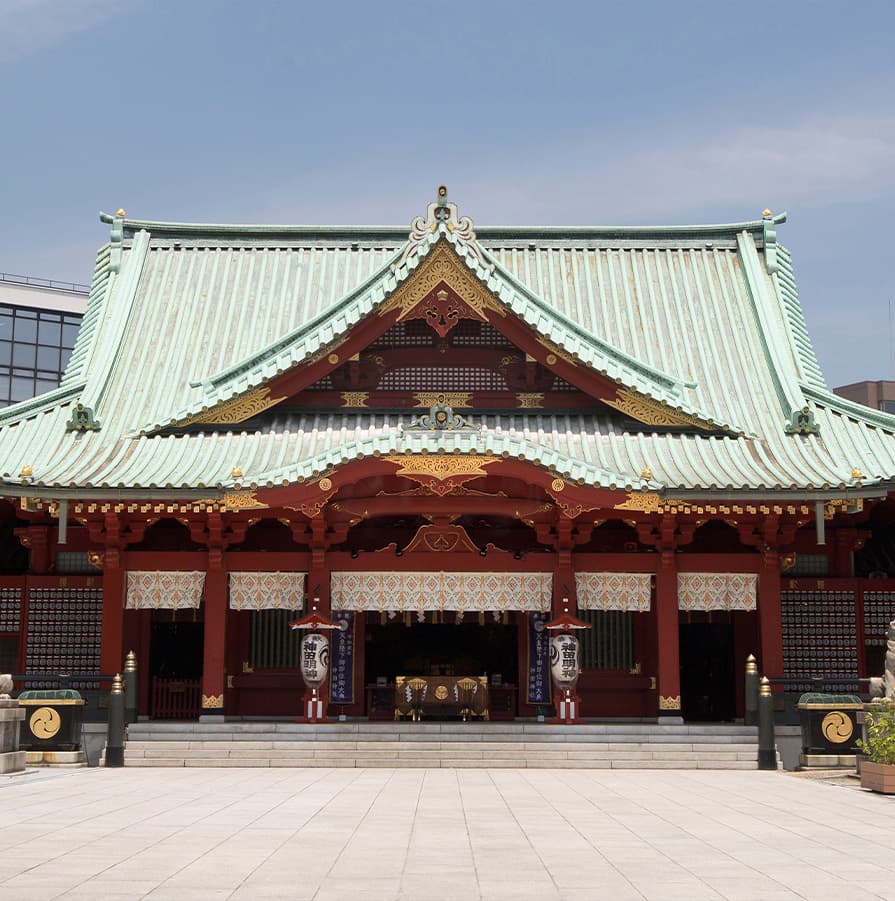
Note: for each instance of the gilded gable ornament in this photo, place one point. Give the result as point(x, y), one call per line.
point(442, 266)
point(652, 412)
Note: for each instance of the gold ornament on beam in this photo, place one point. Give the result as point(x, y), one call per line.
point(455, 399)
point(645, 502)
point(530, 401)
point(212, 702)
point(244, 501)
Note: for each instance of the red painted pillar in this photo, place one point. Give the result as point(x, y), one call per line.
point(770, 622)
point(214, 653)
point(668, 676)
point(112, 644)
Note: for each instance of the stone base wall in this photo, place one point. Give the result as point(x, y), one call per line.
point(12, 760)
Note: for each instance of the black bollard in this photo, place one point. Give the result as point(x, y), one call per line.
point(767, 745)
point(115, 737)
point(130, 688)
point(750, 717)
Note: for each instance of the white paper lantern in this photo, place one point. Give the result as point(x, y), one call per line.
point(564, 659)
point(314, 659)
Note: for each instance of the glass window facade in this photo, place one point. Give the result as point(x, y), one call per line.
point(34, 349)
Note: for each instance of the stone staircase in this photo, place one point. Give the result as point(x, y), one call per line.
point(443, 744)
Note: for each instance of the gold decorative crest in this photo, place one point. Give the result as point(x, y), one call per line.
point(557, 485)
point(213, 702)
point(442, 265)
point(647, 410)
point(670, 703)
point(455, 399)
point(354, 398)
point(237, 409)
point(530, 401)
point(325, 484)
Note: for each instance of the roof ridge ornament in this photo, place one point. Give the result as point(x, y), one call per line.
point(769, 234)
point(441, 417)
point(802, 422)
point(442, 214)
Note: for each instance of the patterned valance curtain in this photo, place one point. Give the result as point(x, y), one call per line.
point(267, 591)
point(164, 590)
point(391, 592)
point(716, 591)
point(628, 592)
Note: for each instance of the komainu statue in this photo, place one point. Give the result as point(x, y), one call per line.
point(884, 687)
point(5, 685)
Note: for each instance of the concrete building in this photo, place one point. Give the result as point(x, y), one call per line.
point(878, 395)
point(39, 321)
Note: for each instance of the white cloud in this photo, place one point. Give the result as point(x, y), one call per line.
point(28, 26)
point(822, 160)
point(661, 177)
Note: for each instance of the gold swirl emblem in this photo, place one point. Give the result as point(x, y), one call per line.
point(837, 727)
point(45, 722)
point(441, 692)
point(325, 484)
point(557, 484)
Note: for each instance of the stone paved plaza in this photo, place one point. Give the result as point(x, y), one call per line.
point(441, 834)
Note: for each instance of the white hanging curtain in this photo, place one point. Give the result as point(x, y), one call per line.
point(716, 591)
point(267, 591)
point(629, 592)
point(158, 590)
point(399, 592)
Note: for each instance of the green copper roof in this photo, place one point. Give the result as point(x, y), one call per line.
point(704, 318)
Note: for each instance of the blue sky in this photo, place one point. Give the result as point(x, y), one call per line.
point(542, 113)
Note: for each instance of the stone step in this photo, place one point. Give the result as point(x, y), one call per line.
point(364, 744)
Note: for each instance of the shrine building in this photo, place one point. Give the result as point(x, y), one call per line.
point(442, 437)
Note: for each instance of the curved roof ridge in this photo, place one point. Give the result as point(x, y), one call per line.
point(399, 232)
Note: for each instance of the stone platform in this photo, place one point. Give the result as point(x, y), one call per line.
point(56, 758)
point(442, 745)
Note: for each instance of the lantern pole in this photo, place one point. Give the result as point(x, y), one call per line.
point(565, 664)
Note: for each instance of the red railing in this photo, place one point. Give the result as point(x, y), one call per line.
point(176, 699)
